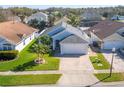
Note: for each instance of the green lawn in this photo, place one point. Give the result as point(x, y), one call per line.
point(25, 62)
point(99, 62)
point(16, 80)
point(113, 78)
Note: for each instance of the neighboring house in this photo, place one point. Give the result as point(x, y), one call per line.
point(38, 16)
point(15, 36)
point(117, 17)
point(90, 18)
point(90, 15)
point(107, 34)
point(68, 39)
point(14, 18)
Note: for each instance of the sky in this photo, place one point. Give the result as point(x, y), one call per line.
point(64, 6)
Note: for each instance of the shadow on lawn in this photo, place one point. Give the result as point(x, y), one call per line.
point(99, 81)
point(24, 66)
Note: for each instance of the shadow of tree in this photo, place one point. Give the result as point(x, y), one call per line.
point(24, 66)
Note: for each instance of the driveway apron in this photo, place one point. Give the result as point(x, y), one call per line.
point(77, 71)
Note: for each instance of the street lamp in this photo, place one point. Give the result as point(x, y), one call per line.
point(113, 51)
point(92, 36)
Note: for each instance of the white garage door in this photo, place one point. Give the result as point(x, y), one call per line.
point(115, 44)
point(74, 48)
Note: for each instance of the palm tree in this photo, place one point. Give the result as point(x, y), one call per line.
point(40, 50)
point(45, 39)
point(73, 20)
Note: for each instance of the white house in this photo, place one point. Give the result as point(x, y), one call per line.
point(40, 16)
point(68, 39)
point(107, 34)
point(15, 36)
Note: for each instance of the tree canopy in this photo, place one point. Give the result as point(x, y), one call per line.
point(37, 24)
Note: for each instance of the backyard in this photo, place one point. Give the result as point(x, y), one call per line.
point(25, 61)
point(16, 80)
point(99, 62)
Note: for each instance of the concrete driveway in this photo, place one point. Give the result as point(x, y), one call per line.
point(77, 71)
point(118, 63)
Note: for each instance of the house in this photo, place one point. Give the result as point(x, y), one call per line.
point(91, 15)
point(117, 17)
point(40, 16)
point(107, 34)
point(90, 18)
point(68, 39)
point(15, 35)
point(13, 18)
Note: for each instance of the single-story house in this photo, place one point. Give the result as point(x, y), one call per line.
point(90, 18)
point(14, 18)
point(107, 34)
point(117, 17)
point(91, 15)
point(15, 35)
point(68, 39)
point(40, 16)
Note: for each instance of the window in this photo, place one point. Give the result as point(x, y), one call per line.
point(7, 47)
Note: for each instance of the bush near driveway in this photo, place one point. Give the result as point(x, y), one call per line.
point(99, 60)
point(16, 80)
point(23, 62)
point(113, 78)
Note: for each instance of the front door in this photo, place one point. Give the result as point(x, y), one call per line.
point(57, 45)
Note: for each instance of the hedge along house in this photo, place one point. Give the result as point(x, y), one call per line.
point(68, 39)
point(15, 35)
point(107, 34)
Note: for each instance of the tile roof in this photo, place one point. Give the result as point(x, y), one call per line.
point(14, 31)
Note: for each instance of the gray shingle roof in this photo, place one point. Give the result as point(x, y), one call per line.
point(105, 28)
point(73, 39)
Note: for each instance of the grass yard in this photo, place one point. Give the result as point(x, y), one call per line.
point(99, 62)
point(113, 78)
point(16, 80)
point(25, 62)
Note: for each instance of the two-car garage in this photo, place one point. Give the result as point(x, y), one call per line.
point(73, 45)
point(74, 48)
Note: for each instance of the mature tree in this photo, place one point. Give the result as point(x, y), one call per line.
point(2, 18)
point(40, 50)
point(73, 20)
point(45, 39)
point(51, 20)
point(22, 17)
point(37, 24)
point(105, 14)
point(42, 25)
point(34, 23)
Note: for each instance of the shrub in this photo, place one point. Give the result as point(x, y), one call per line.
point(8, 55)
